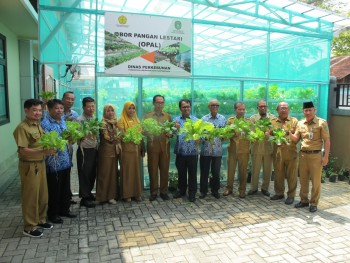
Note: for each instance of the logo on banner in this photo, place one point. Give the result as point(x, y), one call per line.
point(178, 25)
point(122, 20)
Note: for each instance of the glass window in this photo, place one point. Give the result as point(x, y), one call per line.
point(4, 110)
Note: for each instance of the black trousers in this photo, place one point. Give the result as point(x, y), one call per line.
point(58, 185)
point(213, 164)
point(86, 164)
point(184, 165)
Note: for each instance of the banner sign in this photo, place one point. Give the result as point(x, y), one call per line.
point(147, 45)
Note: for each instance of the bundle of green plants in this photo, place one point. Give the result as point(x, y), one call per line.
point(47, 95)
point(242, 127)
point(278, 137)
point(73, 132)
point(196, 130)
point(263, 124)
point(51, 140)
point(256, 135)
point(91, 127)
point(219, 132)
point(228, 131)
point(169, 128)
point(151, 127)
point(133, 134)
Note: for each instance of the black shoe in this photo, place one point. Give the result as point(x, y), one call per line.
point(56, 219)
point(289, 200)
point(69, 215)
point(300, 205)
point(216, 195)
point(202, 196)
point(87, 203)
point(313, 208)
point(265, 192)
point(178, 195)
point(45, 226)
point(91, 198)
point(33, 233)
point(192, 199)
point(153, 197)
point(164, 196)
point(252, 192)
point(276, 197)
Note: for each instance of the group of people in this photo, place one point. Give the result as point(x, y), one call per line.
point(45, 174)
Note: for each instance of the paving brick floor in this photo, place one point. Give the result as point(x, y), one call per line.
point(230, 229)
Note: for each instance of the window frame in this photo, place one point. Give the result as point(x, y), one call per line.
point(3, 62)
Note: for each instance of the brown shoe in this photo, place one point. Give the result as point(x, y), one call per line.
point(227, 192)
point(242, 194)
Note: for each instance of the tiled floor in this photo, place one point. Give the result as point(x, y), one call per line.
point(230, 229)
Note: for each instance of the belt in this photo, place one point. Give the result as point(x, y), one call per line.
point(31, 161)
point(311, 152)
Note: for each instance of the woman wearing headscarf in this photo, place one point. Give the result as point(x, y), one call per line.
point(108, 157)
point(131, 155)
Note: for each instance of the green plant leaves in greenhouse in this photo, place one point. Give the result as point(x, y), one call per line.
point(51, 140)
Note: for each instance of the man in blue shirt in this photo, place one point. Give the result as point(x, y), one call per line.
point(57, 167)
point(211, 155)
point(186, 155)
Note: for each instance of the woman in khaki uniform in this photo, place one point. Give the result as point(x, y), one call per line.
point(132, 153)
point(108, 157)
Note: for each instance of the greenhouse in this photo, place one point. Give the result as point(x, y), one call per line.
point(226, 49)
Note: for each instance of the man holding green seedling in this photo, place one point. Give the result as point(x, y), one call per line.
point(87, 156)
point(313, 133)
point(284, 154)
point(158, 152)
point(211, 153)
point(32, 169)
point(238, 153)
point(186, 155)
point(261, 151)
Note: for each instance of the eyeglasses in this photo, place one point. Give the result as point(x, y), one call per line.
point(262, 106)
point(185, 107)
point(214, 105)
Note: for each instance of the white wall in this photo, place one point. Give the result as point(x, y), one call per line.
point(8, 157)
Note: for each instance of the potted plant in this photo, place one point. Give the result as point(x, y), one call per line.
point(332, 175)
point(341, 176)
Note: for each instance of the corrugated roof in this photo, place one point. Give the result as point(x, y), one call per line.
point(340, 66)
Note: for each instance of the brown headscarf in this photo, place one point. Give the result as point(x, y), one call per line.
point(109, 125)
point(125, 122)
point(105, 110)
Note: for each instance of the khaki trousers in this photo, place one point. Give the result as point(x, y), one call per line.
point(310, 168)
point(266, 161)
point(242, 160)
point(285, 167)
point(158, 160)
point(34, 193)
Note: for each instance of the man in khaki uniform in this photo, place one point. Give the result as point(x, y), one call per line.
point(238, 153)
point(261, 154)
point(158, 152)
point(285, 156)
point(313, 133)
point(32, 170)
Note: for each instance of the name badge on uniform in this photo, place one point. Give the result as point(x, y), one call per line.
point(311, 134)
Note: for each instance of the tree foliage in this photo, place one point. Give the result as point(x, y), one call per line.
point(340, 44)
